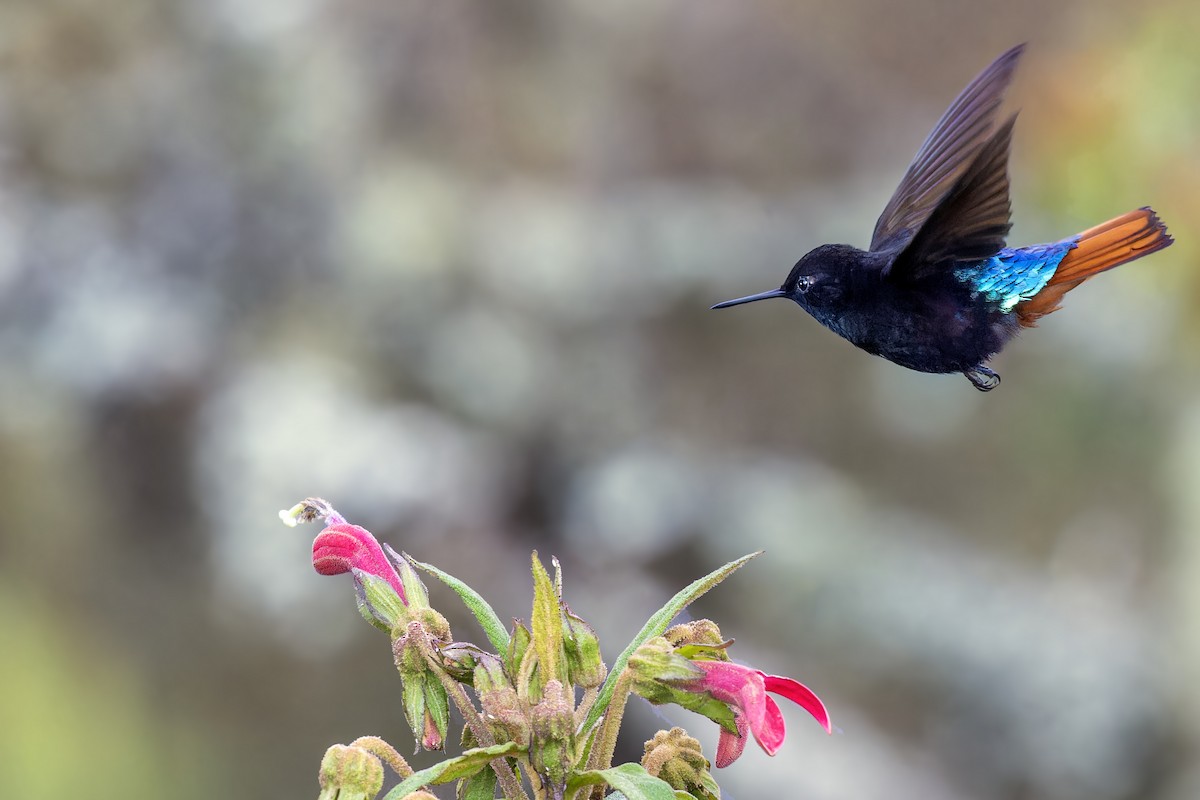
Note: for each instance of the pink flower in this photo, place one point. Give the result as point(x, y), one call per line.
point(745, 690)
point(342, 547)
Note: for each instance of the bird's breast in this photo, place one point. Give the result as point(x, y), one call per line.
point(944, 328)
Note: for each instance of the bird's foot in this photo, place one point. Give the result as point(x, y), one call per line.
point(982, 378)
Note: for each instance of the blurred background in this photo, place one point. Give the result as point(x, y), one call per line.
point(448, 265)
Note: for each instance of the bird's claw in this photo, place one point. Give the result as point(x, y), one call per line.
point(982, 378)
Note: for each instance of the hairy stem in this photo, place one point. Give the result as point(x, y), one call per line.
point(504, 775)
point(385, 752)
point(585, 705)
point(605, 743)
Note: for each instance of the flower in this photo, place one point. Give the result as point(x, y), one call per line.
point(342, 547)
point(745, 690)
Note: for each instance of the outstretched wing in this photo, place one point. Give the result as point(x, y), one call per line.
point(947, 153)
point(972, 220)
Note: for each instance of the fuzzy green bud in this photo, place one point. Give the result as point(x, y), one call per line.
point(349, 773)
point(585, 667)
point(460, 659)
point(698, 631)
point(503, 711)
point(551, 753)
point(657, 661)
point(677, 759)
point(426, 704)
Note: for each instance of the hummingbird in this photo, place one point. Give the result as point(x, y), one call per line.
point(938, 291)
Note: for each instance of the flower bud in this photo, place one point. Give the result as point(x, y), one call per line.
point(408, 649)
point(518, 643)
point(426, 705)
point(552, 751)
point(698, 631)
point(350, 773)
point(436, 627)
point(503, 711)
point(459, 660)
point(420, 794)
point(677, 759)
point(585, 667)
point(341, 547)
point(656, 661)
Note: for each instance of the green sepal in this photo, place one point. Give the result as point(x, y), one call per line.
point(377, 601)
point(660, 694)
point(704, 652)
point(558, 583)
point(547, 626)
point(657, 660)
point(493, 628)
point(708, 788)
point(437, 705)
point(413, 693)
point(453, 769)
point(418, 595)
point(518, 643)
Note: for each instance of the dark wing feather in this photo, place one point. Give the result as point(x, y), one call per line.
point(972, 221)
point(947, 152)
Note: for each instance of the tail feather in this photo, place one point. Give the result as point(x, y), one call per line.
point(1109, 244)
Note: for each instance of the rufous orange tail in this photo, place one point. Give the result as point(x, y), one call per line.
point(1110, 244)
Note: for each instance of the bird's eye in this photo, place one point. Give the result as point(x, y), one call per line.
point(804, 284)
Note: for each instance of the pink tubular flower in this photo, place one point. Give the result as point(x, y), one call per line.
point(745, 690)
point(342, 546)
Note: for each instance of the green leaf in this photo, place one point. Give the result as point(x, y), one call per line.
point(631, 780)
point(547, 624)
point(493, 628)
point(452, 769)
point(656, 626)
point(480, 786)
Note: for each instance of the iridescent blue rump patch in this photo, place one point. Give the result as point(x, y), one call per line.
point(1011, 276)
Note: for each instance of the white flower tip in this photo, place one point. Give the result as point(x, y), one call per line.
point(307, 510)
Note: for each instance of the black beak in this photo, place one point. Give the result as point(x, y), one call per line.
point(752, 298)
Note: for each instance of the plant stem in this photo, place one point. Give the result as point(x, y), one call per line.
point(605, 743)
point(585, 705)
point(535, 780)
point(504, 774)
point(386, 753)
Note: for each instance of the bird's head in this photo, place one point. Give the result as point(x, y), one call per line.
point(818, 282)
